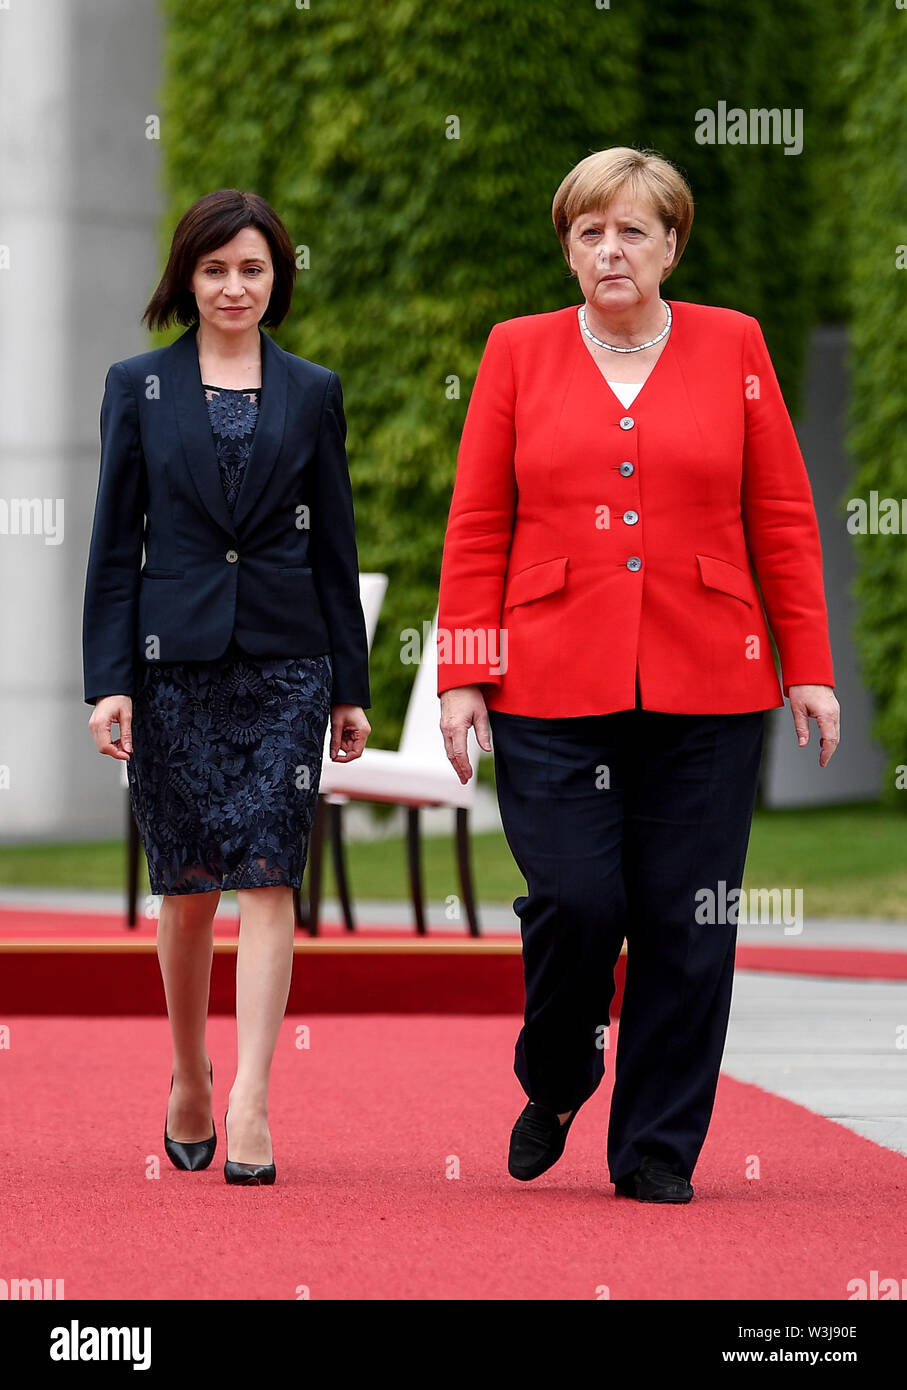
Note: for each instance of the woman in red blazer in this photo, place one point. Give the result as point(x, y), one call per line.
point(624, 466)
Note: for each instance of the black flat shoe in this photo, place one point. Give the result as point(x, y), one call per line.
point(537, 1142)
point(248, 1174)
point(191, 1157)
point(655, 1181)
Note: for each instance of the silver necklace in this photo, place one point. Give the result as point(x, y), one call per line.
point(610, 346)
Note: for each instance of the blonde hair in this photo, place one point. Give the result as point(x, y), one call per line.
point(593, 183)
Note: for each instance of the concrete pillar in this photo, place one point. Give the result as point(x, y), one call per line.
point(79, 212)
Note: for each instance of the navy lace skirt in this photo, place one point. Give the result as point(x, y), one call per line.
point(225, 769)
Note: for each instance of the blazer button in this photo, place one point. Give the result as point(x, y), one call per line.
point(232, 557)
point(631, 518)
point(627, 422)
point(626, 469)
point(634, 563)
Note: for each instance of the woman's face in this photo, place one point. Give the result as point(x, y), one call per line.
point(620, 253)
point(232, 285)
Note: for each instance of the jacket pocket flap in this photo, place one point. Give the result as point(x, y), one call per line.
point(721, 574)
point(536, 581)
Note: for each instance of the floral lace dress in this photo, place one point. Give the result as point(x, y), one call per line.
point(227, 753)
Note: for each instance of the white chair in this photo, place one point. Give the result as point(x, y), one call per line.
point(372, 588)
point(418, 774)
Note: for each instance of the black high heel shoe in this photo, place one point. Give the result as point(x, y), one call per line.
point(247, 1174)
point(191, 1157)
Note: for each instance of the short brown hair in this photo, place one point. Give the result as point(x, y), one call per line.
point(596, 180)
point(207, 224)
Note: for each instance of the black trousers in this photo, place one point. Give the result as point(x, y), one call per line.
point(617, 822)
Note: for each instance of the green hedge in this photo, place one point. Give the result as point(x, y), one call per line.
point(748, 250)
point(875, 192)
point(420, 243)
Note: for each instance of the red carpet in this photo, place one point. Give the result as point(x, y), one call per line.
point(366, 1123)
point(87, 963)
point(54, 924)
point(54, 962)
point(868, 964)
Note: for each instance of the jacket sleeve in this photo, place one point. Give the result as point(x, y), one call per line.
point(335, 558)
point(109, 608)
point(779, 522)
point(479, 527)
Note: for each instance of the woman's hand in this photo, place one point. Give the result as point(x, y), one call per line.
point(113, 709)
point(460, 708)
point(349, 732)
point(817, 702)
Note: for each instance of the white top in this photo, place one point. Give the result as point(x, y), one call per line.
point(626, 391)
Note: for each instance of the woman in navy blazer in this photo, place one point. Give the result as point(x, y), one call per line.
point(223, 656)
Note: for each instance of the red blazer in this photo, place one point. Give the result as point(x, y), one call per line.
point(587, 541)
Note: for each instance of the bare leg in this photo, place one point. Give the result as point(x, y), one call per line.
point(185, 946)
point(264, 964)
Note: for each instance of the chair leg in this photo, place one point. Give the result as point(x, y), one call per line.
point(308, 916)
point(132, 865)
point(464, 865)
point(415, 867)
point(339, 861)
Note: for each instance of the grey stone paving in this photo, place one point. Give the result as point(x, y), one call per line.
point(499, 917)
point(836, 1046)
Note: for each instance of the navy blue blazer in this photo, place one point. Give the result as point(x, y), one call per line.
point(281, 574)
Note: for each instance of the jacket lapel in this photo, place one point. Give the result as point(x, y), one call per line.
point(195, 427)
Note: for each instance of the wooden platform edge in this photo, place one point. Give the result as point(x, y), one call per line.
point(311, 946)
